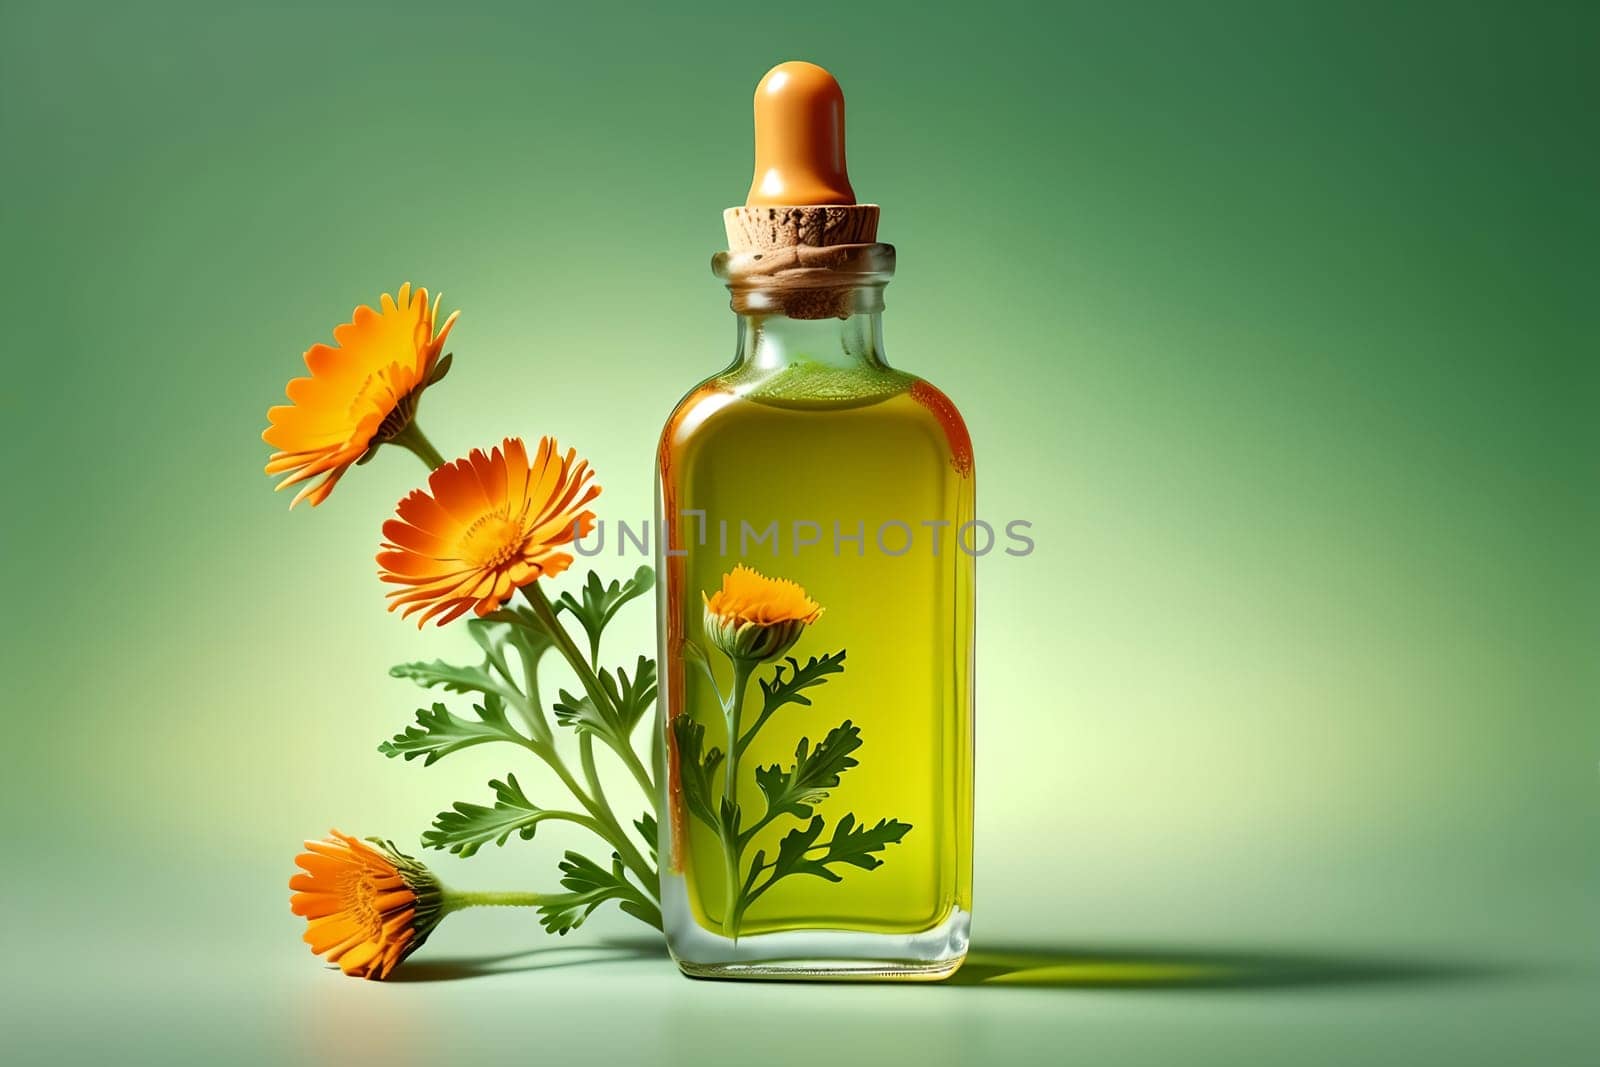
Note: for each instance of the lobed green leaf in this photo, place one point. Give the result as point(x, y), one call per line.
point(451, 678)
point(466, 827)
point(815, 771)
point(788, 684)
point(509, 629)
point(601, 602)
point(646, 825)
point(697, 769)
point(437, 733)
point(631, 697)
point(852, 844)
point(592, 885)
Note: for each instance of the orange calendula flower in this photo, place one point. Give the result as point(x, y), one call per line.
point(753, 617)
point(363, 391)
point(367, 907)
point(486, 526)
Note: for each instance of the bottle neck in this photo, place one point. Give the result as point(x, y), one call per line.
point(772, 342)
point(808, 305)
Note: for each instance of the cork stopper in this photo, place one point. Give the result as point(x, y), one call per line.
point(754, 228)
point(800, 201)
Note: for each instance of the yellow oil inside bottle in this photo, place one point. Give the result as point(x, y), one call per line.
point(873, 466)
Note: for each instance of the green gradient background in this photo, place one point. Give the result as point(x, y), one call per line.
point(1277, 320)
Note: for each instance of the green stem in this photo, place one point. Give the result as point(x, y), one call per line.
point(415, 441)
point(742, 670)
point(750, 734)
point(751, 895)
point(591, 686)
point(635, 862)
point(693, 653)
point(652, 913)
point(631, 759)
point(746, 836)
point(591, 773)
point(585, 821)
point(455, 900)
point(732, 844)
point(745, 900)
point(533, 711)
point(607, 827)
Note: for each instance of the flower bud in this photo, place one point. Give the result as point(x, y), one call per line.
point(753, 618)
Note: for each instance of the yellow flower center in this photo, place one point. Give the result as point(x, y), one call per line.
point(492, 541)
point(377, 393)
point(360, 901)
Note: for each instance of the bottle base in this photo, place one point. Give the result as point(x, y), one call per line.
point(835, 970)
point(813, 955)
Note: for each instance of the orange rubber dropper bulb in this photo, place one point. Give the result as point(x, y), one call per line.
point(799, 139)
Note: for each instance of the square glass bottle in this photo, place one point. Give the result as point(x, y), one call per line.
point(816, 627)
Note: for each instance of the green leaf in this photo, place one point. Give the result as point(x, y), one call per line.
point(437, 732)
point(646, 825)
point(493, 637)
point(441, 368)
point(518, 627)
point(728, 816)
point(788, 685)
point(694, 655)
point(697, 770)
point(815, 771)
point(582, 715)
point(591, 885)
point(468, 827)
point(790, 689)
point(859, 846)
point(513, 628)
point(631, 697)
point(451, 678)
point(601, 603)
point(643, 910)
point(793, 848)
point(851, 844)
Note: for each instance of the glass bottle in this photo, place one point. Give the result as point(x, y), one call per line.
point(818, 765)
